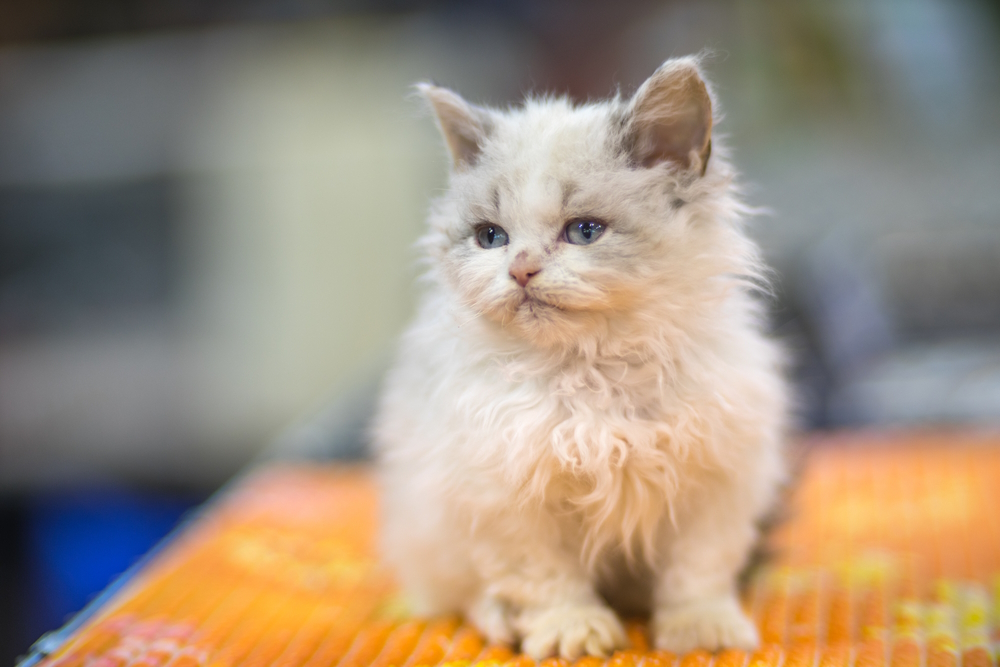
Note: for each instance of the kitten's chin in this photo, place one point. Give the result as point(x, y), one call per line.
point(535, 308)
point(536, 319)
point(547, 324)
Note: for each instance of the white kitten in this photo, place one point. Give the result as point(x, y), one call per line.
point(585, 409)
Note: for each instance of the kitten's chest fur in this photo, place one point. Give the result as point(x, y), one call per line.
point(606, 464)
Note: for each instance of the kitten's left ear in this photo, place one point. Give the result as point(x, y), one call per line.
point(463, 125)
point(671, 117)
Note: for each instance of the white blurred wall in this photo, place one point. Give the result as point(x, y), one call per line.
point(303, 168)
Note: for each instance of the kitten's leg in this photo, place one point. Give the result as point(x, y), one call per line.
point(546, 597)
point(696, 604)
point(494, 618)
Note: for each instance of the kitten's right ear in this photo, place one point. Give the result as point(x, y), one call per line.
point(672, 117)
point(463, 125)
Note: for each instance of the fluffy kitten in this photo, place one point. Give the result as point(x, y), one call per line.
point(585, 410)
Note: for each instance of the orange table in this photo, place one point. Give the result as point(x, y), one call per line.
point(890, 556)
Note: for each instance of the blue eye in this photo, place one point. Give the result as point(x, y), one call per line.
point(584, 232)
point(491, 236)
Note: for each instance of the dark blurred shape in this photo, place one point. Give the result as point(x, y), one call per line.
point(15, 636)
point(79, 541)
point(581, 44)
point(61, 549)
point(42, 20)
point(916, 341)
point(945, 283)
point(841, 298)
point(84, 253)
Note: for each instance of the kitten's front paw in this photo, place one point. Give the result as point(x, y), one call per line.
point(492, 617)
point(571, 631)
point(710, 624)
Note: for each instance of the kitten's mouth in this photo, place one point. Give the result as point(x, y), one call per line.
point(533, 302)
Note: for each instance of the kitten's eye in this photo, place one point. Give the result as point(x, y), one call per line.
point(583, 232)
point(491, 236)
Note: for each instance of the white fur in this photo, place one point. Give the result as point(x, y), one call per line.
point(612, 431)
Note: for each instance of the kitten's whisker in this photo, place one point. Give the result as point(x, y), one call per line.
point(471, 318)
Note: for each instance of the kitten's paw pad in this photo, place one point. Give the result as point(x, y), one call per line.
point(571, 631)
point(492, 617)
point(710, 625)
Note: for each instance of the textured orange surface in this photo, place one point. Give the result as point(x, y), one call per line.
point(890, 558)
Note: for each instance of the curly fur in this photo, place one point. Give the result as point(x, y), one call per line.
point(612, 428)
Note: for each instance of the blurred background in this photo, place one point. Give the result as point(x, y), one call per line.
point(207, 213)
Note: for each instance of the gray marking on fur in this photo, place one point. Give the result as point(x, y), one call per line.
point(568, 190)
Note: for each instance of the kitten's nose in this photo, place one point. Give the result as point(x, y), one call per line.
point(523, 269)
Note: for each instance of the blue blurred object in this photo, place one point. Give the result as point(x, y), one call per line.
point(77, 542)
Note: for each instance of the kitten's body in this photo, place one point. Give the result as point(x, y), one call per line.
point(566, 420)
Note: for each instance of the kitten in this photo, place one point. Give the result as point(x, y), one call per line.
point(585, 411)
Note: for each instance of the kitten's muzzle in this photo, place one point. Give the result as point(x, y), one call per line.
point(524, 268)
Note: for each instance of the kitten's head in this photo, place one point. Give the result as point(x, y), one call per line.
point(561, 219)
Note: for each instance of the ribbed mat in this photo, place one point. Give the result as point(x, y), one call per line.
point(890, 556)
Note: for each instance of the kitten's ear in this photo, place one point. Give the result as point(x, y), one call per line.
point(671, 117)
point(464, 126)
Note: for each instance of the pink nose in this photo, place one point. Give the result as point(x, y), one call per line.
point(523, 273)
point(524, 268)
point(522, 276)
